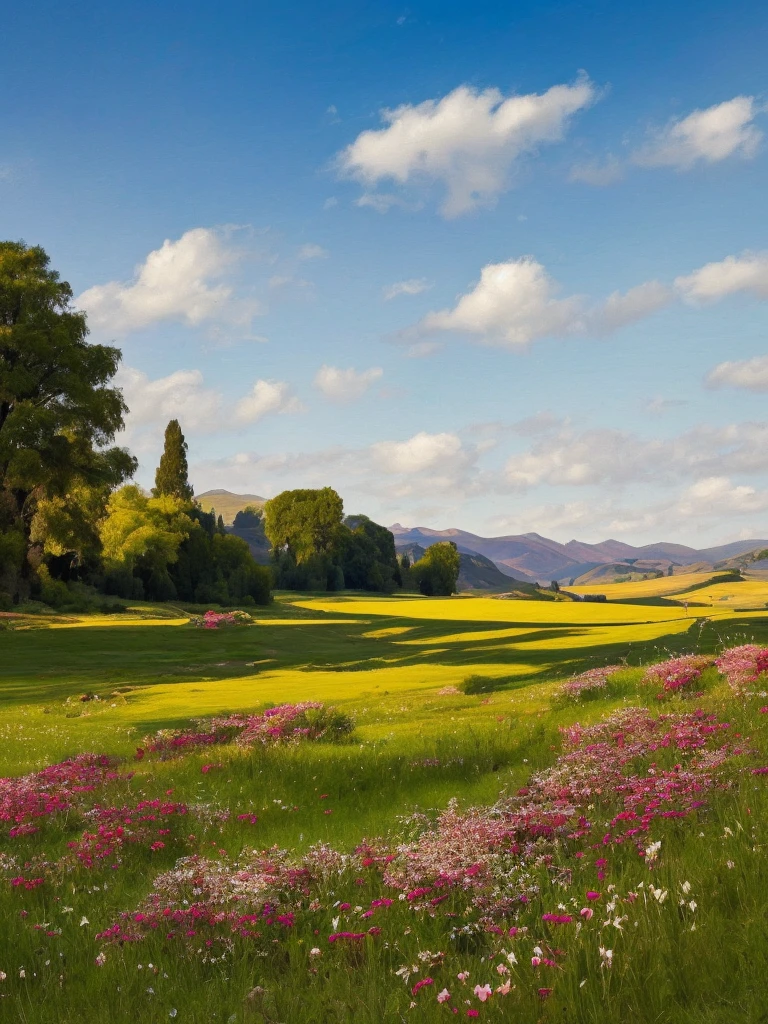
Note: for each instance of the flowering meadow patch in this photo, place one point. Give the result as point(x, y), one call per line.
point(743, 665)
point(677, 674)
point(590, 682)
point(617, 843)
point(221, 620)
point(287, 723)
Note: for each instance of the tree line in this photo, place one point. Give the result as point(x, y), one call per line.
point(73, 527)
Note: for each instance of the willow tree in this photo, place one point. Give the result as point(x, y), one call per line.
point(59, 411)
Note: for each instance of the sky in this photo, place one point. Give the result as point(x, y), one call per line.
point(501, 267)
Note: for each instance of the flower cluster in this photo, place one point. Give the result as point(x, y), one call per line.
point(24, 801)
point(287, 723)
point(594, 679)
point(742, 665)
point(677, 674)
point(220, 620)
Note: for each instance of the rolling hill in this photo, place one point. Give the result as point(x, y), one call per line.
point(227, 504)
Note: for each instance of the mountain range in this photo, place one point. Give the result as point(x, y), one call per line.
point(534, 558)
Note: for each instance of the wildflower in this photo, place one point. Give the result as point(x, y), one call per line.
point(315, 951)
point(606, 957)
point(483, 992)
point(3, 975)
point(504, 988)
point(593, 895)
point(587, 913)
point(544, 993)
point(101, 959)
point(173, 1013)
point(502, 969)
point(84, 921)
point(462, 976)
point(473, 1013)
point(444, 996)
point(421, 984)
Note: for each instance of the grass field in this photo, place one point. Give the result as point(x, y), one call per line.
point(316, 934)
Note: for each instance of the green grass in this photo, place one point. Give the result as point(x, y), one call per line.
point(415, 748)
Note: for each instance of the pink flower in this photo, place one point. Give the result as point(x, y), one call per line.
point(535, 961)
point(593, 895)
point(473, 1013)
point(483, 992)
point(421, 984)
point(587, 913)
point(462, 975)
point(444, 996)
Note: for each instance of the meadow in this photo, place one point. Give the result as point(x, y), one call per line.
point(483, 843)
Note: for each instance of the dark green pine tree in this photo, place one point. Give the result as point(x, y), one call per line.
point(172, 473)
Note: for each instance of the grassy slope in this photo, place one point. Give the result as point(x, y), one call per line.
point(385, 661)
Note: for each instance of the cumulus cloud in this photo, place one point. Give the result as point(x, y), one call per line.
point(187, 281)
point(345, 385)
point(607, 457)
point(265, 397)
point(181, 395)
point(469, 141)
point(709, 135)
point(516, 302)
point(420, 453)
point(413, 286)
point(745, 273)
point(749, 374)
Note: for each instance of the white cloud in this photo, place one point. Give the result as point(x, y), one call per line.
point(719, 496)
point(421, 453)
point(709, 135)
point(469, 140)
point(311, 251)
point(619, 310)
point(516, 302)
point(181, 395)
point(512, 304)
point(345, 385)
point(422, 349)
point(749, 374)
point(184, 281)
point(383, 201)
point(745, 273)
point(413, 286)
point(266, 396)
point(607, 457)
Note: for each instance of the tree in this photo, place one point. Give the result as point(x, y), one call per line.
point(58, 412)
point(305, 523)
point(437, 572)
point(172, 476)
point(140, 539)
point(368, 556)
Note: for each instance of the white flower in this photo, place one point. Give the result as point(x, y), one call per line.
point(84, 921)
point(173, 1012)
point(692, 905)
point(315, 951)
point(686, 887)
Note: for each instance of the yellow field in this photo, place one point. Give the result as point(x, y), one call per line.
point(665, 586)
point(487, 609)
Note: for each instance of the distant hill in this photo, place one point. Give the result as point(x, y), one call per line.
point(536, 558)
point(226, 503)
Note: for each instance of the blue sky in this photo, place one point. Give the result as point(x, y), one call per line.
point(493, 266)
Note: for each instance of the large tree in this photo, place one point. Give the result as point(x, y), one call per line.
point(307, 523)
point(59, 412)
point(437, 571)
point(172, 476)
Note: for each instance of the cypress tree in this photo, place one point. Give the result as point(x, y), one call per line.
point(171, 476)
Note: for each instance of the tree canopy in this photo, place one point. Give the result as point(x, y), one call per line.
point(58, 410)
point(437, 571)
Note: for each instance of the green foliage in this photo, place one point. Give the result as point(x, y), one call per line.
point(437, 572)
point(475, 684)
point(58, 412)
point(172, 476)
point(306, 523)
point(369, 560)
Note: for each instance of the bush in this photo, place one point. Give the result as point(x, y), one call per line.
point(483, 684)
